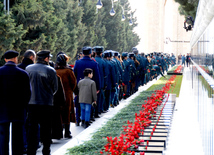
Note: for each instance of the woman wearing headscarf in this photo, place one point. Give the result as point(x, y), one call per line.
point(69, 83)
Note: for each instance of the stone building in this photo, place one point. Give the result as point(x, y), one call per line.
point(163, 28)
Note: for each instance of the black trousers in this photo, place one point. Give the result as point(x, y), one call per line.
point(39, 115)
point(17, 138)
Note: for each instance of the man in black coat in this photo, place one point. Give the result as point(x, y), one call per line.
point(15, 93)
point(44, 83)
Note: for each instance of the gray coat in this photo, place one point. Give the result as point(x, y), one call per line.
point(87, 91)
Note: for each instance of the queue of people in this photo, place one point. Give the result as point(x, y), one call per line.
point(42, 98)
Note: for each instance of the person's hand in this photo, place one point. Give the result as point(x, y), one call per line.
point(98, 91)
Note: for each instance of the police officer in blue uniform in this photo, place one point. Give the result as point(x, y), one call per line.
point(119, 72)
point(133, 73)
point(79, 67)
point(126, 77)
point(103, 78)
point(138, 69)
point(111, 81)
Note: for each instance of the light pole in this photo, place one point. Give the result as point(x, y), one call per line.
point(123, 15)
point(99, 4)
point(112, 12)
point(7, 5)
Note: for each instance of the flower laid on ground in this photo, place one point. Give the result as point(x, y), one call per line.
point(178, 69)
point(129, 138)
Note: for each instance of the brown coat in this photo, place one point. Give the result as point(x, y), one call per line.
point(69, 83)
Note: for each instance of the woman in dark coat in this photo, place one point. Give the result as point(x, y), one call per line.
point(69, 83)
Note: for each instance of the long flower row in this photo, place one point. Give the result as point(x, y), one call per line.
point(129, 138)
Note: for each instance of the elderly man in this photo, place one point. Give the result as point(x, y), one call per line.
point(15, 92)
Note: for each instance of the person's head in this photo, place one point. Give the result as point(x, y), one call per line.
point(111, 54)
point(116, 54)
point(30, 54)
point(134, 49)
point(44, 55)
point(88, 72)
point(81, 54)
point(124, 55)
point(131, 55)
point(11, 56)
point(62, 60)
point(107, 54)
point(87, 50)
point(135, 52)
point(98, 50)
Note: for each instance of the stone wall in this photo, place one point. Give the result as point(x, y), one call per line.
point(163, 28)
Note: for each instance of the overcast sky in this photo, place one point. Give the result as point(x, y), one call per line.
point(139, 6)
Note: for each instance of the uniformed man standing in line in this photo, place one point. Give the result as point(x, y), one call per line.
point(119, 72)
point(80, 66)
point(138, 69)
point(131, 84)
point(126, 74)
point(103, 78)
point(111, 81)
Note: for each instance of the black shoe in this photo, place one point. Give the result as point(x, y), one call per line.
point(92, 119)
point(86, 124)
point(67, 135)
point(97, 116)
point(77, 124)
point(112, 105)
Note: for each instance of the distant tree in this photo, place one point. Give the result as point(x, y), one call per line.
point(76, 28)
point(1, 8)
point(9, 33)
point(38, 19)
point(188, 7)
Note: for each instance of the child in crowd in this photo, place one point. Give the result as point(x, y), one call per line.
point(87, 96)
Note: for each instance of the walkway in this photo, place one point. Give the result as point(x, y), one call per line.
point(184, 137)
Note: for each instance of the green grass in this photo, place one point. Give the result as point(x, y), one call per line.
point(160, 83)
point(176, 89)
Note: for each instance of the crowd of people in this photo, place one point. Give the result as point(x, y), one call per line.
point(42, 98)
point(182, 59)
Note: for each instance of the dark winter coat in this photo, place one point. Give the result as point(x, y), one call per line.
point(15, 93)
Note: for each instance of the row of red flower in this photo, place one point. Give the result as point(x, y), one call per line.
point(129, 138)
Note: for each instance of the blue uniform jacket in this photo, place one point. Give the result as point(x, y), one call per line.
point(116, 70)
point(126, 74)
point(119, 67)
point(110, 78)
point(82, 64)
